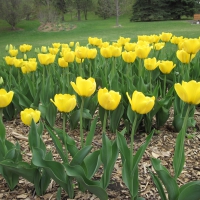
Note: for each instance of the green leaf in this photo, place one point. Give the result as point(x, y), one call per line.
point(74, 119)
point(51, 112)
point(92, 163)
point(2, 131)
point(140, 152)
point(116, 117)
point(190, 191)
point(179, 154)
point(80, 155)
point(158, 186)
point(168, 181)
point(57, 143)
point(55, 169)
point(90, 135)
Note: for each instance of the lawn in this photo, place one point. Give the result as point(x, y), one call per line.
point(28, 31)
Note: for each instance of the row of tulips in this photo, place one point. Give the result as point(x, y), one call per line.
point(117, 72)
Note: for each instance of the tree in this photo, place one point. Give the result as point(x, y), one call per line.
point(104, 9)
point(12, 11)
point(62, 7)
point(149, 10)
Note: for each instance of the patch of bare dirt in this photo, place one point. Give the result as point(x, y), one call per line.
point(56, 27)
point(161, 147)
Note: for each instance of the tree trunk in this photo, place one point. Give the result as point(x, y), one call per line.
point(79, 14)
point(85, 14)
point(117, 12)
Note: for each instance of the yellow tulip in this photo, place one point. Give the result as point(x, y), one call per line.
point(81, 52)
point(141, 103)
point(166, 66)
point(130, 46)
point(53, 51)
point(142, 51)
point(13, 52)
point(64, 46)
point(109, 100)
point(25, 47)
point(28, 115)
point(71, 44)
point(104, 44)
point(106, 52)
point(91, 53)
point(150, 63)
point(159, 45)
point(165, 37)
point(78, 60)
point(62, 62)
point(84, 87)
point(122, 41)
point(18, 62)
point(188, 92)
point(191, 46)
point(129, 57)
point(183, 56)
point(43, 49)
point(28, 66)
point(9, 60)
point(46, 59)
point(176, 40)
point(64, 102)
point(69, 56)
point(5, 98)
point(56, 45)
point(95, 41)
point(116, 51)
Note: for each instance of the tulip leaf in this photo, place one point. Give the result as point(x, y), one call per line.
point(140, 152)
point(80, 155)
point(61, 172)
point(23, 100)
point(57, 143)
point(162, 116)
point(50, 116)
point(2, 131)
point(168, 181)
point(109, 154)
point(74, 119)
point(90, 135)
point(179, 155)
point(159, 186)
point(116, 117)
point(71, 144)
point(190, 191)
point(92, 163)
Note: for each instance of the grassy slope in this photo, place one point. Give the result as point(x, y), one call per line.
point(94, 26)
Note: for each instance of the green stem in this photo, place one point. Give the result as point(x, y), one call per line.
point(132, 139)
point(150, 77)
point(81, 122)
point(80, 69)
point(1, 114)
point(104, 121)
point(186, 119)
point(140, 68)
point(165, 80)
point(90, 68)
point(64, 136)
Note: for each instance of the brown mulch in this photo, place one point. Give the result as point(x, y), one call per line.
point(56, 27)
point(161, 147)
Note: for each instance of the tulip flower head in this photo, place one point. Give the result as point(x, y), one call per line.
point(191, 46)
point(62, 62)
point(84, 87)
point(129, 57)
point(5, 98)
point(9, 60)
point(46, 59)
point(150, 63)
point(142, 51)
point(183, 56)
point(28, 115)
point(69, 56)
point(166, 66)
point(81, 52)
point(91, 53)
point(141, 103)
point(109, 100)
point(13, 52)
point(56, 45)
point(165, 37)
point(158, 46)
point(188, 92)
point(64, 102)
point(106, 52)
point(130, 46)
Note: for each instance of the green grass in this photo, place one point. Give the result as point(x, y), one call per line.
point(94, 26)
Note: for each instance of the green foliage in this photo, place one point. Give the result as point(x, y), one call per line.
point(144, 10)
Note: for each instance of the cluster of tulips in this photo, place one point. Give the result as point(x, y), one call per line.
point(160, 71)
